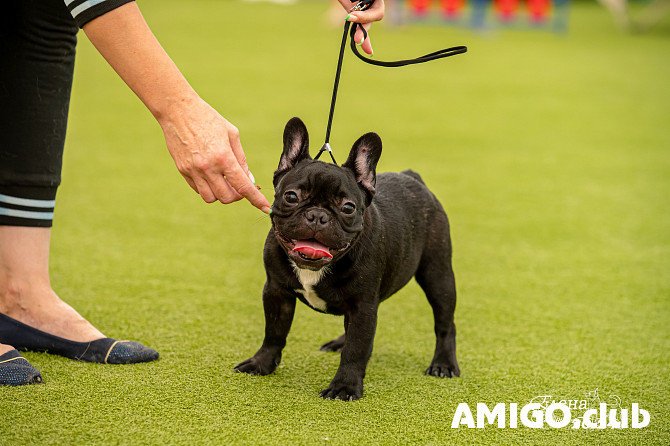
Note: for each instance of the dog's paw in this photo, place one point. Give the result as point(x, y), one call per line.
point(256, 366)
point(342, 391)
point(443, 370)
point(336, 345)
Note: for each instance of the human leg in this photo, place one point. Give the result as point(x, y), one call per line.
point(37, 50)
point(37, 47)
point(4, 348)
point(25, 288)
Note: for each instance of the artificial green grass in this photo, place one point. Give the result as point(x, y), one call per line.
point(550, 154)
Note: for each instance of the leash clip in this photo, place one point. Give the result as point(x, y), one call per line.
point(326, 148)
point(362, 5)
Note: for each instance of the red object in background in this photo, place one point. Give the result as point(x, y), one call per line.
point(452, 8)
point(420, 7)
point(539, 10)
point(506, 9)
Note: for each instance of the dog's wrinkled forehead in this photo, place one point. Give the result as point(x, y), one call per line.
point(323, 181)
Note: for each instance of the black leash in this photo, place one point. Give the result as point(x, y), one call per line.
point(326, 145)
point(360, 6)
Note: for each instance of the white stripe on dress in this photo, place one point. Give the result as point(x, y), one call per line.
point(27, 214)
point(84, 6)
point(27, 202)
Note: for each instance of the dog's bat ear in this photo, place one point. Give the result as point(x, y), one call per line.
point(363, 160)
point(296, 147)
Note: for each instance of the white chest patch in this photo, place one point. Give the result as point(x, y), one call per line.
point(308, 279)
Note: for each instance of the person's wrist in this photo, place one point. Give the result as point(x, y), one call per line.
point(171, 107)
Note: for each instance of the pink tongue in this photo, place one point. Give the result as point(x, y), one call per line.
point(312, 249)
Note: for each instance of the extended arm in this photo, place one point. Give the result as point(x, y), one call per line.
point(205, 147)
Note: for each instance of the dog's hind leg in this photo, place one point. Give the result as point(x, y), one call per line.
point(436, 277)
point(335, 345)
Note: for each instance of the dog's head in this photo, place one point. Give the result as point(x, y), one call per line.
point(318, 208)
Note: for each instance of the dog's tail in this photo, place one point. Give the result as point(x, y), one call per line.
point(416, 176)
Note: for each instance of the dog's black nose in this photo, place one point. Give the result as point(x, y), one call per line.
point(317, 217)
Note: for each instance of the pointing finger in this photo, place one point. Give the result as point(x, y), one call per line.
point(240, 182)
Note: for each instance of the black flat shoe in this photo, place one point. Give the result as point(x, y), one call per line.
point(15, 370)
point(105, 350)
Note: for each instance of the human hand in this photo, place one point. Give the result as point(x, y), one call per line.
point(207, 151)
point(373, 14)
point(205, 147)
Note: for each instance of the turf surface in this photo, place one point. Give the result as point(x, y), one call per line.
point(550, 153)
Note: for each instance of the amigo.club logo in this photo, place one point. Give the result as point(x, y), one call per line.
point(544, 411)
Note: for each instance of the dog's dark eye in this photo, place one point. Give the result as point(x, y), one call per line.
point(348, 208)
point(291, 197)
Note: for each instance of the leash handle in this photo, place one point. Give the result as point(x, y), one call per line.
point(447, 52)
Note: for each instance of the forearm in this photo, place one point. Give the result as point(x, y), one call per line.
point(124, 39)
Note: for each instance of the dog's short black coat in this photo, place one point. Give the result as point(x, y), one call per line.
point(368, 235)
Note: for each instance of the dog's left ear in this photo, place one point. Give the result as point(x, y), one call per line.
point(363, 160)
point(296, 148)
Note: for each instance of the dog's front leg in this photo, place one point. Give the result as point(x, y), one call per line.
point(279, 307)
point(360, 325)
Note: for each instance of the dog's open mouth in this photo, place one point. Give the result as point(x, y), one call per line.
point(309, 249)
point(312, 249)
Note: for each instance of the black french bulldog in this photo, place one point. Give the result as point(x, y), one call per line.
point(344, 239)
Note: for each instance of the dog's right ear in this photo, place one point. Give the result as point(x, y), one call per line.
point(296, 148)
